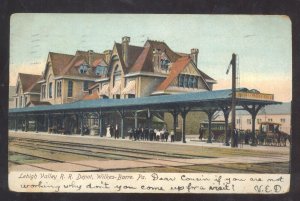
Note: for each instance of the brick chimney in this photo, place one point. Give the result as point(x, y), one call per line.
point(194, 55)
point(125, 47)
point(156, 58)
point(90, 57)
point(107, 54)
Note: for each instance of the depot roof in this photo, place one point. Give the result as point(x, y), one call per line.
point(196, 101)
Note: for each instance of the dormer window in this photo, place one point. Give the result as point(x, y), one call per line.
point(83, 68)
point(101, 70)
point(164, 63)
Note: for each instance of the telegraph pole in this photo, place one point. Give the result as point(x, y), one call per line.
point(233, 99)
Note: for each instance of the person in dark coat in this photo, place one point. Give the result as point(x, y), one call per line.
point(111, 130)
point(117, 132)
point(146, 133)
point(235, 137)
point(201, 133)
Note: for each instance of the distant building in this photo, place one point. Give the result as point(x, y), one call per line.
point(272, 113)
point(27, 90)
point(12, 93)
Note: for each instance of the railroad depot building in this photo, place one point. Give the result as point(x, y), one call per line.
point(126, 71)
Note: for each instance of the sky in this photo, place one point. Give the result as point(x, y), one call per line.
point(263, 43)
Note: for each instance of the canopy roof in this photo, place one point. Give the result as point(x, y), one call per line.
point(195, 101)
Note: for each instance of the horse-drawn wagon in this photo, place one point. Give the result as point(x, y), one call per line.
point(270, 134)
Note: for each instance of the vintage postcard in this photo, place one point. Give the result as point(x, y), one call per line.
point(150, 103)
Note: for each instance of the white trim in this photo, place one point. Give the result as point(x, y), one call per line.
point(102, 79)
point(146, 74)
point(74, 78)
point(211, 81)
point(28, 93)
point(41, 81)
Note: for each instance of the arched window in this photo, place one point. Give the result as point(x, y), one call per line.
point(70, 88)
point(83, 68)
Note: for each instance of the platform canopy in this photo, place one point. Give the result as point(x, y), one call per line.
point(196, 101)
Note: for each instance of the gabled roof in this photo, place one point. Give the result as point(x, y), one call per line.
point(29, 82)
point(144, 61)
point(72, 68)
point(133, 54)
point(59, 62)
point(176, 68)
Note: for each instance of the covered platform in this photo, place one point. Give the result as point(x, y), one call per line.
point(179, 104)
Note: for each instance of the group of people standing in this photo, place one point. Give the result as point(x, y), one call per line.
point(149, 134)
point(141, 133)
point(113, 131)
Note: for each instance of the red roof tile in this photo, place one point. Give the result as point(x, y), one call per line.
point(92, 96)
point(38, 103)
point(144, 61)
point(72, 68)
point(176, 68)
point(133, 53)
point(59, 62)
point(29, 82)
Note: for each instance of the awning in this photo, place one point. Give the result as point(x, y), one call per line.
point(130, 88)
point(117, 88)
point(104, 90)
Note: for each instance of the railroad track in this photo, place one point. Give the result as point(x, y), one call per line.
point(96, 150)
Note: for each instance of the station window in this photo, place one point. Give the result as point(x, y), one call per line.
point(195, 82)
point(131, 96)
point(191, 81)
point(21, 100)
point(58, 89)
point(258, 120)
point(185, 81)
point(70, 88)
point(180, 80)
point(238, 121)
point(50, 90)
point(85, 86)
point(270, 120)
point(43, 91)
point(282, 120)
point(83, 68)
point(248, 121)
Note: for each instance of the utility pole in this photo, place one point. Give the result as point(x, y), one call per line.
point(233, 94)
point(233, 99)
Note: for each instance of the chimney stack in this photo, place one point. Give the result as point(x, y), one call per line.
point(107, 54)
point(194, 55)
point(156, 58)
point(90, 57)
point(125, 45)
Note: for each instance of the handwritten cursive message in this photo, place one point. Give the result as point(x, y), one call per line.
point(123, 182)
